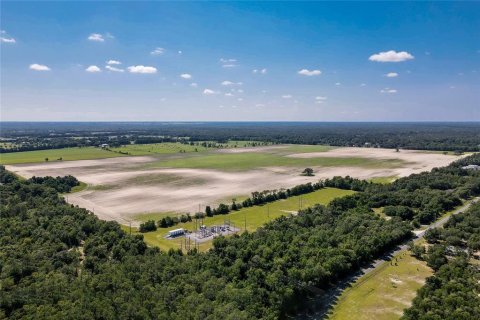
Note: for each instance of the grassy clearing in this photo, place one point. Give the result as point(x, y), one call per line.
point(158, 148)
point(254, 216)
point(384, 293)
point(67, 154)
point(383, 180)
point(175, 147)
point(301, 148)
point(252, 160)
point(82, 186)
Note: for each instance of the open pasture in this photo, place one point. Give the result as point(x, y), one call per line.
point(53, 155)
point(384, 293)
point(123, 188)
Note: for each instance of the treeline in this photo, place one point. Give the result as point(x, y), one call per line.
point(259, 198)
point(459, 137)
point(454, 253)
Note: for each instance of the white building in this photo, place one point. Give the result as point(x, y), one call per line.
point(176, 232)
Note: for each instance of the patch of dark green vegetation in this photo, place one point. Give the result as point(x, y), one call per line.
point(454, 253)
point(60, 261)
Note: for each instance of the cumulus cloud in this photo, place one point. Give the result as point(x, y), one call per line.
point(110, 68)
point(112, 62)
point(157, 51)
point(186, 76)
point(260, 71)
point(287, 96)
point(309, 73)
point(320, 98)
point(193, 84)
point(96, 37)
point(391, 75)
point(39, 67)
point(209, 92)
point(338, 83)
point(5, 38)
point(391, 56)
point(228, 94)
point(388, 90)
point(142, 69)
point(93, 69)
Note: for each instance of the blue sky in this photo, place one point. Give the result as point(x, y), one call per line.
point(347, 61)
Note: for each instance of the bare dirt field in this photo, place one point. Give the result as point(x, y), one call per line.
point(121, 188)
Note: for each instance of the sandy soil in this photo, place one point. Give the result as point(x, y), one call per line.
point(128, 189)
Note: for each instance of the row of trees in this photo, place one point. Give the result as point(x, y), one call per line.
point(260, 198)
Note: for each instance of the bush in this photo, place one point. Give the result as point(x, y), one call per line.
point(148, 226)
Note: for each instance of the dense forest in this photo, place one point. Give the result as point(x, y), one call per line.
point(464, 136)
point(61, 261)
point(454, 253)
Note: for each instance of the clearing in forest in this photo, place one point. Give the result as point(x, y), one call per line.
point(166, 180)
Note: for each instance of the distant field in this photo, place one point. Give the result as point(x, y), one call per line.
point(172, 147)
point(67, 154)
point(157, 148)
point(254, 216)
point(252, 160)
point(384, 293)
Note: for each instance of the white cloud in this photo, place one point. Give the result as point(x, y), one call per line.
point(39, 67)
point(110, 68)
point(193, 84)
point(261, 71)
point(391, 56)
point(228, 63)
point(228, 94)
point(391, 75)
point(6, 38)
point(240, 90)
point(93, 69)
point(338, 83)
point(222, 60)
point(320, 98)
point(113, 62)
point(142, 69)
point(96, 37)
point(230, 83)
point(157, 51)
point(287, 96)
point(209, 92)
point(186, 76)
point(240, 99)
point(363, 85)
point(309, 73)
point(259, 105)
point(388, 90)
